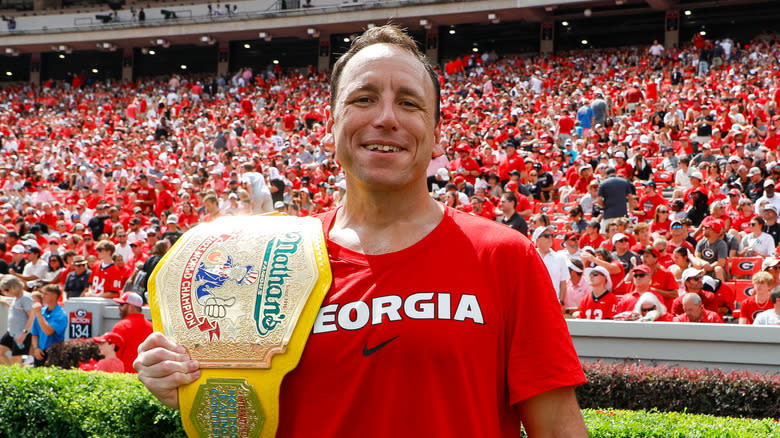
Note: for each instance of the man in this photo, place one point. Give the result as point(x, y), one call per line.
point(16, 267)
point(555, 262)
point(106, 279)
point(98, 222)
point(172, 230)
point(650, 200)
point(384, 122)
point(77, 281)
point(601, 303)
point(511, 217)
point(693, 283)
point(771, 316)
point(613, 195)
point(663, 282)
point(769, 213)
point(123, 245)
point(627, 258)
point(695, 311)
point(49, 325)
point(712, 249)
point(641, 281)
point(35, 268)
point(133, 328)
point(769, 195)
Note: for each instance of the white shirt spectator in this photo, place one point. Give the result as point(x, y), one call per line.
point(767, 317)
point(764, 244)
point(559, 271)
point(38, 269)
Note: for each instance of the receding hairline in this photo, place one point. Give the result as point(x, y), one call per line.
point(392, 50)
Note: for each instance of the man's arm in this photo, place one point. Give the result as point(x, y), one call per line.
point(553, 414)
point(45, 326)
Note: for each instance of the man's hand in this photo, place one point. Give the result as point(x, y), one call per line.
point(215, 307)
point(38, 353)
point(36, 307)
point(163, 366)
point(20, 338)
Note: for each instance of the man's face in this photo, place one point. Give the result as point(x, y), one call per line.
point(649, 259)
point(597, 279)
point(49, 299)
point(383, 123)
point(693, 284)
point(642, 281)
point(476, 205)
point(124, 310)
point(694, 311)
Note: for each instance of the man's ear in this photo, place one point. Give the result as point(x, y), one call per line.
point(438, 149)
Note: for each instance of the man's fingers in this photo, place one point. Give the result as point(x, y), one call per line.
point(159, 340)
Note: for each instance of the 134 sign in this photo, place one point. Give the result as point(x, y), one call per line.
point(80, 323)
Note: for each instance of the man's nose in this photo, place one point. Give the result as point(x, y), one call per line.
point(386, 116)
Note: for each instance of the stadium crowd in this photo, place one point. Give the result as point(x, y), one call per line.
point(646, 177)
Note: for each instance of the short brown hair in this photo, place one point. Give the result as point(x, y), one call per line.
point(107, 245)
point(387, 34)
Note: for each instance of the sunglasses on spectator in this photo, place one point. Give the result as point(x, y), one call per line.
point(698, 278)
point(647, 309)
point(663, 211)
point(753, 224)
point(640, 275)
point(594, 273)
point(546, 235)
point(677, 226)
point(622, 240)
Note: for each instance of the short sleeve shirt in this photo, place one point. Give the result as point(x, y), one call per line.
point(712, 252)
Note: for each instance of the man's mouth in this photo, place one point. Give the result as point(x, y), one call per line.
point(382, 148)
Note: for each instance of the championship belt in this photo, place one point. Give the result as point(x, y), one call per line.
point(241, 294)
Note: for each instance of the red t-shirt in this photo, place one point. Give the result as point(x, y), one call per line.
point(134, 329)
point(707, 316)
point(664, 280)
point(603, 308)
point(462, 335)
point(586, 240)
point(750, 308)
point(108, 279)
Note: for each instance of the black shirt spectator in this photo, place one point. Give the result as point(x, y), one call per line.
point(75, 283)
point(614, 191)
point(517, 222)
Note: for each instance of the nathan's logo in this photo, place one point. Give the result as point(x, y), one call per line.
point(206, 272)
point(273, 275)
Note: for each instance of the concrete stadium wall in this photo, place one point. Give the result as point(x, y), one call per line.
point(723, 346)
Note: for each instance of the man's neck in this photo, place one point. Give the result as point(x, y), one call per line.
point(380, 222)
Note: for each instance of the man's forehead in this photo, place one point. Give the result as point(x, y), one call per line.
point(362, 61)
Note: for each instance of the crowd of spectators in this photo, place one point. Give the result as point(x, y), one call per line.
point(640, 175)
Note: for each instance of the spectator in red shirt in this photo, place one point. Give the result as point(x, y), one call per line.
point(133, 327)
point(695, 311)
point(601, 303)
point(663, 282)
point(759, 301)
point(106, 280)
point(146, 196)
point(592, 237)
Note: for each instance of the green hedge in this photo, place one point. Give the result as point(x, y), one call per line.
point(643, 424)
point(678, 389)
point(50, 402)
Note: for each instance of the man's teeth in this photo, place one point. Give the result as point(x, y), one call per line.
point(383, 148)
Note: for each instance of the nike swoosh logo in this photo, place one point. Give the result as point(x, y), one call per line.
point(369, 351)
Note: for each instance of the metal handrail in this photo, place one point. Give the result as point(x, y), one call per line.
point(241, 16)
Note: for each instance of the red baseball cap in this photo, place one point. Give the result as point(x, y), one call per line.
point(111, 337)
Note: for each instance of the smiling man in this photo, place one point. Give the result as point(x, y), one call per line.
point(438, 323)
